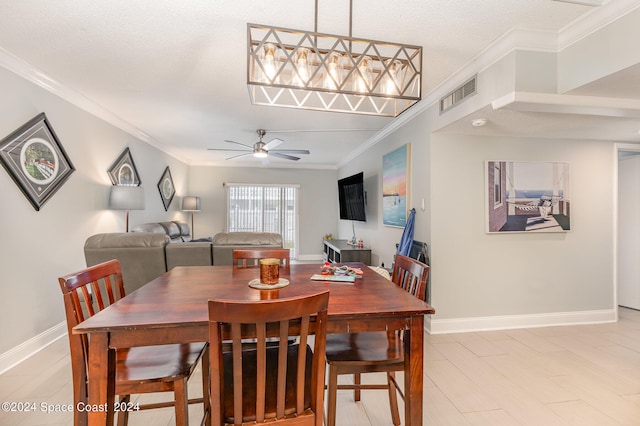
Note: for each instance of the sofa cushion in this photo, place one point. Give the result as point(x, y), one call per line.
point(172, 230)
point(155, 228)
point(126, 240)
point(190, 254)
point(185, 232)
point(225, 242)
point(247, 239)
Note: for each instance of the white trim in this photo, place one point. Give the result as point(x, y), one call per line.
point(616, 225)
point(505, 322)
point(16, 355)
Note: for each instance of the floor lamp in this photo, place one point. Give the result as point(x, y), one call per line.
point(126, 198)
point(191, 203)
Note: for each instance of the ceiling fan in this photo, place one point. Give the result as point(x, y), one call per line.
point(262, 150)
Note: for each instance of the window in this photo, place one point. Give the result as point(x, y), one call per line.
point(264, 208)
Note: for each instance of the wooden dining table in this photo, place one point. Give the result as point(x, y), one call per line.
point(173, 309)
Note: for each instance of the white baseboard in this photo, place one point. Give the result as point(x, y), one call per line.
point(463, 325)
point(15, 356)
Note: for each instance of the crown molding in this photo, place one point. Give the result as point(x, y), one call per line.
point(594, 21)
point(512, 40)
point(32, 74)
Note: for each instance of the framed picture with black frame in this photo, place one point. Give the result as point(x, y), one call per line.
point(36, 161)
point(123, 171)
point(167, 188)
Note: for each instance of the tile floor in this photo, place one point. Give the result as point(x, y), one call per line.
point(573, 375)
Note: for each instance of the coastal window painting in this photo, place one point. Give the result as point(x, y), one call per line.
point(395, 186)
point(527, 196)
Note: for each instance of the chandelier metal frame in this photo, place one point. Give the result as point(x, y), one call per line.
point(316, 71)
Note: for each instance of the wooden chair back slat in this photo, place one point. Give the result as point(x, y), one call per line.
point(411, 275)
point(281, 318)
point(249, 258)
point(282, 369)
point(261, 378)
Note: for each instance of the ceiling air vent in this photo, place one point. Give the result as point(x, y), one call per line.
point(460, 93)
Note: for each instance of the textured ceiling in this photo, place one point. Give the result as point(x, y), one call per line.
point(176, 71)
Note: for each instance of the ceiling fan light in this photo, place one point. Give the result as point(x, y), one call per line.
point(260, 153)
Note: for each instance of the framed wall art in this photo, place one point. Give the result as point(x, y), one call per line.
point(525, 196)
point(166, 188)
point(123, 171)
point(35, 160)
point(395, 186)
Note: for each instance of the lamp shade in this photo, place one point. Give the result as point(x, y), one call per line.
point(191, 203)
point(126, 198)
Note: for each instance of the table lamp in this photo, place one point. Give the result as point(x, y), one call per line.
point(126, 198)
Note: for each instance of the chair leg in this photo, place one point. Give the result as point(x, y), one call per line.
point(123, 415)
point(393, 399)
point(331, 398)
point(181, 400)
point(356, 391)
point(206, 382)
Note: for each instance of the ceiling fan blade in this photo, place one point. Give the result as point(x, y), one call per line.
point(272, 143)
point(238, 143)
point(239, 156)
point(285, 156)
point(291, 151)
point(223, 149)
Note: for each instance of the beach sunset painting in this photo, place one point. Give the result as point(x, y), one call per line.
point(395, 182)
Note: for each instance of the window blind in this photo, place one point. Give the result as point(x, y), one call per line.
point(264, 208)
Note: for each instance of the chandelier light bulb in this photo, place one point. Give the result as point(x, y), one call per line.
point(269, 61)
point(302, 65)
point(363, 76)
point(334, 71)
point(391, 79)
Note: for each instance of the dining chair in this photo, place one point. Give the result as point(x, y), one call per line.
point(138, 370)
point(368, 352)
point(281, 383)
point(246, 258)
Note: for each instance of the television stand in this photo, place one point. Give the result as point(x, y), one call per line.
point(340, 251)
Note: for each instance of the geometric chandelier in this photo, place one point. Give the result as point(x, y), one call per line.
point(315, 71)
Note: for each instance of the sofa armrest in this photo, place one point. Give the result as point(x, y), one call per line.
point(189, 254)
point(141, 255)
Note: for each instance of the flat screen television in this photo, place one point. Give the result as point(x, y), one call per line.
point(351, 197)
